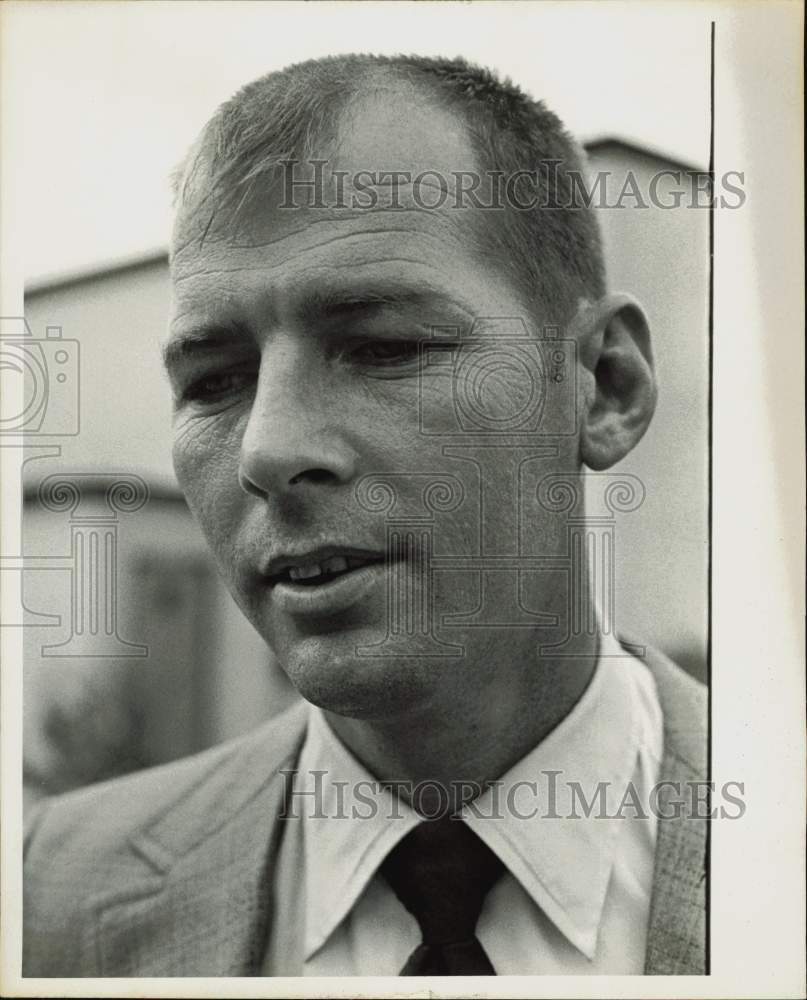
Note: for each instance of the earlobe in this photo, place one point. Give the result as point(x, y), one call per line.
point(616, 354)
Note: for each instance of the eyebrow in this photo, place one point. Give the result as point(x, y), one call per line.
point(317, 305)
point(190, 343)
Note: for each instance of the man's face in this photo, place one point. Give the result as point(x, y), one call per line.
point(295, 358)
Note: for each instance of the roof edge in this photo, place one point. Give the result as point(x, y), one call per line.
point(89, 272)
point(655, 152)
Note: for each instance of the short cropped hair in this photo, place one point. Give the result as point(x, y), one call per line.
point(552, 251)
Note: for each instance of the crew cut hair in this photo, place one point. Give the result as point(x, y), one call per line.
point(552, 251)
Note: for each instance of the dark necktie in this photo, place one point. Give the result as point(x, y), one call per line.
point(441, 872)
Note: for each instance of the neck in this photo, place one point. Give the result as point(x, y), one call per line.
point(441, 753)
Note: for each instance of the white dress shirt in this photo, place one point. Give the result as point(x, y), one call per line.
point(575, 895)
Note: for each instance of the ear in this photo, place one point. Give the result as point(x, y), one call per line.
point(615, 352)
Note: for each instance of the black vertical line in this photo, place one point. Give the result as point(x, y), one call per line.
point(710, 465)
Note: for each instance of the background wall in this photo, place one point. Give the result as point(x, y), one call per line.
point(207, 676)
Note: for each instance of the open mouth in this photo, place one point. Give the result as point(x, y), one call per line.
point(317, 574)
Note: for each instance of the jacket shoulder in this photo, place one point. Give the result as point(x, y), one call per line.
point(685, 707)
point(88, 842)
point(676, 938)
point(105, 815)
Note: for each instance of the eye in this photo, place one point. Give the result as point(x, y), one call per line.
point(384, 353)
point(216, 387)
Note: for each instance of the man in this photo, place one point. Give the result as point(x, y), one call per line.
point(392, 351)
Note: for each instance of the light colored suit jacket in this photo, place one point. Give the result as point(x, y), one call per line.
point(168, 872)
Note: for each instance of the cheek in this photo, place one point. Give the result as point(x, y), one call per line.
point(434, 408)
point(205, 455)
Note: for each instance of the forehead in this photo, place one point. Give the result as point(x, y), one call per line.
point(282, 244)
point(398, 128)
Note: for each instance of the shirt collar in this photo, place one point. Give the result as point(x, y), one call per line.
point(534, 820)
point(351, 824)
point(564, 864)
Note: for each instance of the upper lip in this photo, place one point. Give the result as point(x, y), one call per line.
point(286, 560)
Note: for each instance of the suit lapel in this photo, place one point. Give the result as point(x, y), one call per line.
point(677, 928)
point(676, 942)
point(202, 903)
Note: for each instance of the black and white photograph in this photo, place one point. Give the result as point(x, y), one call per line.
point(403, 468)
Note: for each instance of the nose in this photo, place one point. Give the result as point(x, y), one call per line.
point(290, 441)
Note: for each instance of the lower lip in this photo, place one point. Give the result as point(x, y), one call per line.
point(329, 598)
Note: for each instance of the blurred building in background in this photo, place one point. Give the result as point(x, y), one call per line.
point(183, 669)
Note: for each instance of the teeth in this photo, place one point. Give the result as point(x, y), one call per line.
point(304, 572)
point(336, 564)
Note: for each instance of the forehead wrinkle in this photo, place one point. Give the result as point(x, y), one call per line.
point(324, 217)
point(304, 254)
point(329, 241)
point(381, 214)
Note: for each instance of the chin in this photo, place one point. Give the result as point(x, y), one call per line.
point(333, 676)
